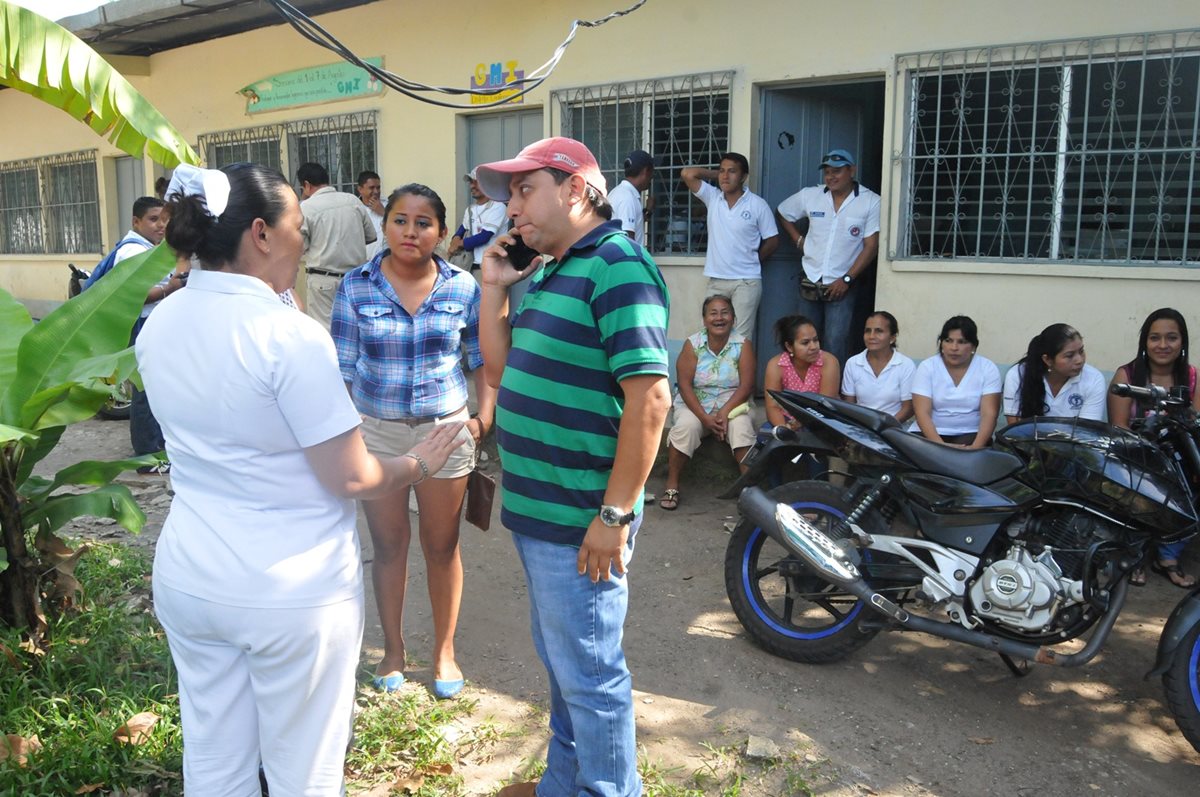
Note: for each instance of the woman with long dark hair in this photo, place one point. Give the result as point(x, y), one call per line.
point(1068, 388)
point(399, 325)
point(257, 573)
point(803, 366)
point(1162, 359)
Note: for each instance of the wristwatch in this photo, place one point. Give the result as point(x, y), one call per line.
point(846, 278)
point(614, 517)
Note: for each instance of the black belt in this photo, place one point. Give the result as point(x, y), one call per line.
point(420, 419)
point(324, 272)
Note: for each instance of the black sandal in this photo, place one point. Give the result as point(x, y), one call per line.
point(1173, 572)
point(1137, 578)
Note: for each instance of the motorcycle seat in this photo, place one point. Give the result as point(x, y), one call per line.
point(874, 420)
point(975, 465)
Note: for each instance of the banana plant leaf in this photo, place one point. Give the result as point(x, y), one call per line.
point(95, 323)
point(10, 433)
point(91, 384)
point(93, 473)
point(15, 322)
point(110, 501)
point(47, 439)
point(47, 61)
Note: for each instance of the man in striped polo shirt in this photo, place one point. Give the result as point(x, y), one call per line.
point(581, 368)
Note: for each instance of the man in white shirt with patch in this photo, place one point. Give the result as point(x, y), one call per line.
point(741, 235)
point(842, 242)
point(482, 221)
point(626, 198)
point(370, 188)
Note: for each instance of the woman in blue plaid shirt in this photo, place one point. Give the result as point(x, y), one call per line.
point(400, 323)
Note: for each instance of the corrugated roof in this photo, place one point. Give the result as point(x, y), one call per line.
point(145, 27)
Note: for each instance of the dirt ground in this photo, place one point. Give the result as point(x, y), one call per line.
point(907, 715)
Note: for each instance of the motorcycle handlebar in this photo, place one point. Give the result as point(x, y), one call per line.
point(1150, 393)
point(784, 434)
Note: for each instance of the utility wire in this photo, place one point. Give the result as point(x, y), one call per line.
point(310, 30)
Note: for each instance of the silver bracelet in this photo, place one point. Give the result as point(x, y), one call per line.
point(420, 464)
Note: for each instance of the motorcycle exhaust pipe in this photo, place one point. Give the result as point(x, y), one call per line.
point(786, 526)
point(815, 548)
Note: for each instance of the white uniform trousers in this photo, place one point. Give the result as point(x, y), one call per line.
point(275, 684)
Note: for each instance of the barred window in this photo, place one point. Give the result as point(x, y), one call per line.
point(681, 121)
point(1074, 151)
point(50, 205)
point(344, 144)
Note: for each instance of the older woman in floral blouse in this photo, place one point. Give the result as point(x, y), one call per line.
point(715, 373)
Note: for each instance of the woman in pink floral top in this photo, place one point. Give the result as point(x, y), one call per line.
point(802, 366)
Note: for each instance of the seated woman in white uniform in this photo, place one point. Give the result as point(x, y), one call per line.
point(956, 395)
point(1069, 387)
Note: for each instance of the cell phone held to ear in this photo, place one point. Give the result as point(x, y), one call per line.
point(519, 254)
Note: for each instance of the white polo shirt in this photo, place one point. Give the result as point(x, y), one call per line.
point(956, 407)
point(885, 392)
point(491, 216)
point(626, 203)
point(735, 233)
point(241, 384)
point(835, 237)
point(379, 242)
point(1083, 396)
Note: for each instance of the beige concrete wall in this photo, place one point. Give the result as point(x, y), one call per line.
point(766, 42)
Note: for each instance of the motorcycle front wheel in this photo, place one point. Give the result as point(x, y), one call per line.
point(117, 407)
point(785, 607)
point(1182, 684)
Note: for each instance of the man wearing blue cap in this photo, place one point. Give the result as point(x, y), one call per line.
point(626, 198)
point(841, 244)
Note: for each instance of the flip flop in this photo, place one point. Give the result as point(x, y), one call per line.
point(1138, 577)
point(669, 500)
point(1171, 573)
point(388, 683)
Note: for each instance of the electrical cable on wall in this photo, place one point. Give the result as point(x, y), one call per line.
point(318, 35)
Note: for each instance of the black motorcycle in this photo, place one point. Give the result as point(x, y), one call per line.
point(1015, 549)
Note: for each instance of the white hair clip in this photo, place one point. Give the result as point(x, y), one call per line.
point(209, 184)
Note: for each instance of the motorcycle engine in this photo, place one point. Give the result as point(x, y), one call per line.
point(1024, 591)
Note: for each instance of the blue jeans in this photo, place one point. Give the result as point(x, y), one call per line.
point(835, 322)
point(1172, 551)
point(577, 628)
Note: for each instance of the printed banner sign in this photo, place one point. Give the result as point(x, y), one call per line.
point(312, 86)
point(490, 76)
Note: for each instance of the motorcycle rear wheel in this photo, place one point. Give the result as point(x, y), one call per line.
point(1182, 685)
point(762, 580)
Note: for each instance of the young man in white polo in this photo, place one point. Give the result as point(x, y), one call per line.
point(741, 235)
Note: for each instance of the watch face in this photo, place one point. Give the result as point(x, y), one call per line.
point(847, 279)
point(612, 516)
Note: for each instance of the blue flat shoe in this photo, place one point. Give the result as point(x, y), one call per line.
point(444, 690)
point(388, 683)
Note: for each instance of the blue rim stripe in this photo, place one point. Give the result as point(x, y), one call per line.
point(1194, 673)
point(789, 631)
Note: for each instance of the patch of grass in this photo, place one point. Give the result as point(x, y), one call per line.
point(659, 782)
point(108, 660)
point(414, 742)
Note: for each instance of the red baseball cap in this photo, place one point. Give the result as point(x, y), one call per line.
point(564, 154)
